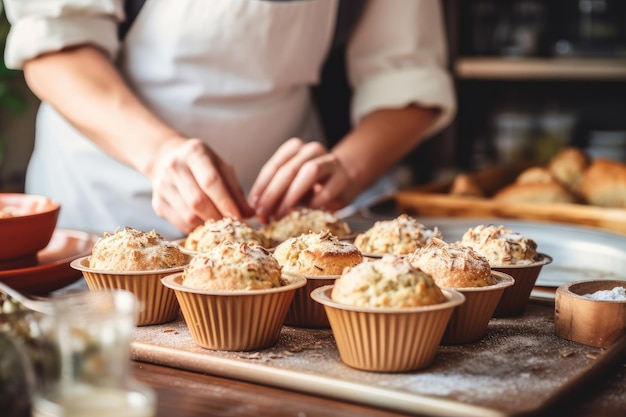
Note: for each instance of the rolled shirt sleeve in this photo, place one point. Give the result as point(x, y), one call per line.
point(38, 27)
point(397, 56)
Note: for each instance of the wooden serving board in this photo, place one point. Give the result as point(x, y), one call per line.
point(519, 367)
point(433, 200)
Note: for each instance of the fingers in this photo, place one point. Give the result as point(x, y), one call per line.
point(193, 184)
point(275, 180)
point(283, 154)
point(300, 174)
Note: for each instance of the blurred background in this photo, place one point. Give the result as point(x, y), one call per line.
point(531, 76)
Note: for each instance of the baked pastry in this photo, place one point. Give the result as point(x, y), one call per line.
point(135, 250)
point(535, 175)
point(233, 266)
point(501, 246)
point(453, 265)
point(569, 165)
point(305, 220)
point(535, 192)
point(317, 254)
point(465, 186)
point(399, 236)
point(212, 232)
point(604, 183)
point(386, 282)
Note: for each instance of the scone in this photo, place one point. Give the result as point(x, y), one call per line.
point(453, 265)
point(399, 236)
point(465, 186)
point(501, 246)
point(135, 250)
point(604, 183)
point(535, 185)
point(304, 220)
point(212, 232)
point(317, 254)
point(386, 282)
point(233, 266)
point(569, 165)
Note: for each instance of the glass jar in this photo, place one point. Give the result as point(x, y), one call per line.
point(92, 331)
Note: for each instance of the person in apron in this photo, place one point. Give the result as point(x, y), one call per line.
point(204, 108)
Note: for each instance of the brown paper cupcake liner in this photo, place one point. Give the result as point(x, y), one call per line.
point(158, 303)
point(304, 311)
point(469, 321)
point(234, 320)
point(514, 299)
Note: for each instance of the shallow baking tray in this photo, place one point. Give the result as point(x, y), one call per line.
point(519, 367)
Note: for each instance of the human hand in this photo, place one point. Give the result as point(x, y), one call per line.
point(191, 184)
point(300, 173)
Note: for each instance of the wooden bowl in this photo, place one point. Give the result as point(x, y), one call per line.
point(598, 323)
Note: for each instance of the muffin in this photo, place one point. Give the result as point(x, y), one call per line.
point(513, 254)
point(399, 236)
point(233, 266)
point(460, 267)
point(305, 220)
point(135, 261)
point(452, 265)
point(501, 246)
point(234, 297)
point(317, 254)
point(135, 250)
point(321, 258)
point(212, 232)
point(387, 316)
point(387, 282)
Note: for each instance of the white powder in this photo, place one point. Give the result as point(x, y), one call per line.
point(616, 294)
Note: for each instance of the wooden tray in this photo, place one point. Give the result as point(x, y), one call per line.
point(433, 200)
point(520, 366)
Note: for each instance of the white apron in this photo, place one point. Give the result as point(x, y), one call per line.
point(233, 72)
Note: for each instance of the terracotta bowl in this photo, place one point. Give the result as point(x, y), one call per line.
point(388, 339)
point(469, 321)
point(26, 227)
point(158, 303)
point(304, 311)
point(235, 320)
point(514, 299)
point(598, 323)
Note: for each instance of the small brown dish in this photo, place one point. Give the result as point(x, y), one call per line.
point(388, 339)
point(158, 303)
point(592, 322)
point(27, 222)
point(469, 321)
point(238, 320)
point(515, 298)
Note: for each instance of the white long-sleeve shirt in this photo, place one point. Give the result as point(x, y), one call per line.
point(233, 72)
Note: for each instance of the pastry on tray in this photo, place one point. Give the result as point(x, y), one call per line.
point(453, 265)
point(305, 220)
point(317, 254)
point(130, 249)
point(386, 282)
point(398, 236)
point(233, 266)
point(212, 232)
